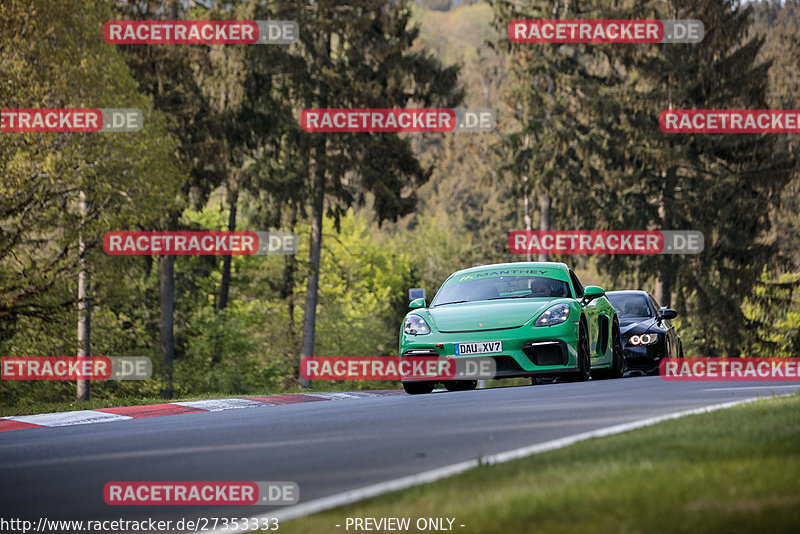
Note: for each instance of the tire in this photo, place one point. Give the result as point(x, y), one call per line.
point(618, 366)
point(680, 350)
point(418, 388)
point(460, 385)
point(584, 357)
point(546, 379)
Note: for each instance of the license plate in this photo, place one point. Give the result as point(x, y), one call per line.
point(480, 347)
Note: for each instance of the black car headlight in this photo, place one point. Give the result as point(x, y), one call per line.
point(416, 325)
point(643, 339)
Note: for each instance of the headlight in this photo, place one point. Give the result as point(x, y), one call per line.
point(554, 315)
point(416, 325)
point(644, 339)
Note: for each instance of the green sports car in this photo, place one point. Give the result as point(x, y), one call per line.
point(533, 319)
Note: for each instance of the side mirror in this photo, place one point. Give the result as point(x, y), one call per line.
point(416, 303)
point(592, 292)
point(668, 314)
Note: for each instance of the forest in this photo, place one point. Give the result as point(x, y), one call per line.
point(577, 147)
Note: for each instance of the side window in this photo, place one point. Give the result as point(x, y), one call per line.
point(656, 307)
point(576, 284)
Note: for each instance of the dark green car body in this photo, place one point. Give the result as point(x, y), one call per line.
point(503, 304)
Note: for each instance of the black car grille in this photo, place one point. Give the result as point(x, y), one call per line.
point(546, 352)
point(506, 364)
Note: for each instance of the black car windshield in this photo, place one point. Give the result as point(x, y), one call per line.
point(500, 287)
point(631, 305)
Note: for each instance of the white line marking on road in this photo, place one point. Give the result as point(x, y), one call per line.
point(359, 494)
point(751, 387)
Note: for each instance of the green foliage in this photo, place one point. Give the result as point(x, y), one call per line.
point(363, 290)
point(722, 185)
point(234, 331)
point(467, 204)
point(127, 178)
point(576, 122)
point(773, 312)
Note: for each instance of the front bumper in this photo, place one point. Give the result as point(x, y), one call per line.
point(644, 358)
point(527, 350)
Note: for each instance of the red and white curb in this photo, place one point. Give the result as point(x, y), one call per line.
point(122, 413)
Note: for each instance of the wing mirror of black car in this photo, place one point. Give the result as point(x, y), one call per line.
point(592, 292)
point(416, 303)
point(668, 314)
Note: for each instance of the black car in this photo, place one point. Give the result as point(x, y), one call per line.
point(647, 335)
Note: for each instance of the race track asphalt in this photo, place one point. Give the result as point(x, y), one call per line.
point(325, 447)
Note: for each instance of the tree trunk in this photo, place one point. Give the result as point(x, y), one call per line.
point(166, 341)
point(526, 200)
point(315, 245)
point(544, 221)
point(527, 217)
point(166, 338)
point(289, 270)
point(84, 309)
point(288, 284)
point(225, 283)
point(663, 292)
point(315, 248)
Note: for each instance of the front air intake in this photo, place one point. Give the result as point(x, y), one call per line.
point(546, 352)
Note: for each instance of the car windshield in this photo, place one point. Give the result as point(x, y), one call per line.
point(500, 287)
point(631, 305)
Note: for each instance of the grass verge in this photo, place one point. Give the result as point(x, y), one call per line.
point(730, 471)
